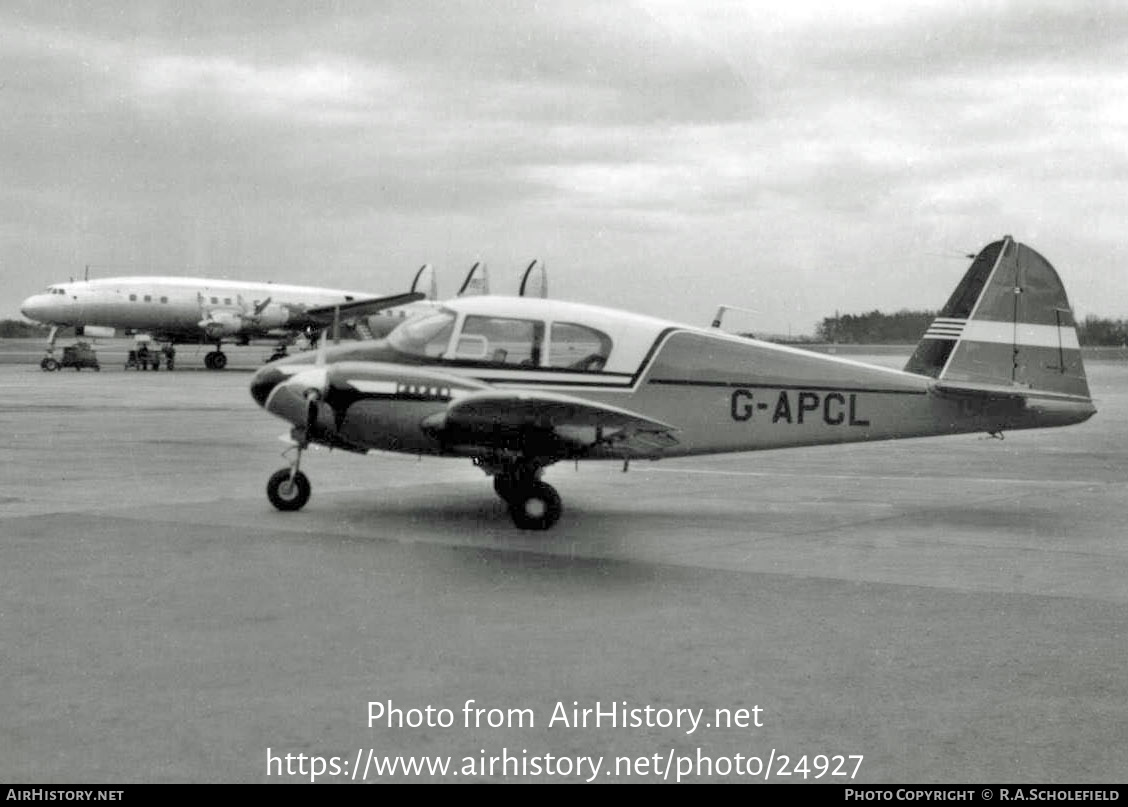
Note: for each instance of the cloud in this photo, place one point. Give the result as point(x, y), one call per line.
point(628, 138)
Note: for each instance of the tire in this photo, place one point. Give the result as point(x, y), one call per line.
point(219, 361)
point(535, 506)
point(283, 495)
point(50, 365)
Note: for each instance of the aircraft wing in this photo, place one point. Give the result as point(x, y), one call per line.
point(548, 423)
point(358, 308)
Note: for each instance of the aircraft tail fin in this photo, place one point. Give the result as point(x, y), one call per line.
point(477, 281)
point(426, 282)
point(1008, 325)
point(534, 281)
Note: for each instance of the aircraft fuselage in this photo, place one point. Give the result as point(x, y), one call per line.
point(182, 308)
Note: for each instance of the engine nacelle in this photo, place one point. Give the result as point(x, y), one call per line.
point(221, 323)
point(273, 317)
point(95, 331)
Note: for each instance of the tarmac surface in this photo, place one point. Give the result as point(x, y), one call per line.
point(955, 610)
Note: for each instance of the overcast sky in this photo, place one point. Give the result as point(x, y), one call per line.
point(789, 157)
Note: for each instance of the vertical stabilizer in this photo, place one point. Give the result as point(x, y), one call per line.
point(477, 281)
point(1008, 323)
point(425, 279)
point(534, 281)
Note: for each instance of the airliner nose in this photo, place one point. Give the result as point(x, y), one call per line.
point(32, 307)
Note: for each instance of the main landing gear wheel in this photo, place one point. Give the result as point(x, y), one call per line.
point(534, 506)
point(215, 360)
point(287, 495)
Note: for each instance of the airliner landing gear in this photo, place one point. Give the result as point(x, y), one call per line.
point(288, 488)
point(533, 505)
point(216, 360)
point(49, 362)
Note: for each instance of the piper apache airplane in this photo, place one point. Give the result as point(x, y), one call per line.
point(517, 384)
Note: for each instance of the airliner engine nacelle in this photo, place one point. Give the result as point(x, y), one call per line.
point(221, 323)
point(272, 317)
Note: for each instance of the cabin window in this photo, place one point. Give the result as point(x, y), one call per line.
point(133, 298)
point(425, 335)
point(215, 300)
point(164, 299)
point(501, 340)
point(227, 301)
point(348, 298)
point(148, 298)
point(578, 347)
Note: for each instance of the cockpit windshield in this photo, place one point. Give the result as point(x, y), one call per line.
point(425, 335)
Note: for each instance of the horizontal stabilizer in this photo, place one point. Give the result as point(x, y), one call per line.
point(998, 392)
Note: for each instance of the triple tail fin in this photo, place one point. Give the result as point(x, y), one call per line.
point(1007, 326)
point(477, 281)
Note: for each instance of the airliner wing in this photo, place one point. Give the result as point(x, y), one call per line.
point(547, 424)
point(359, 308)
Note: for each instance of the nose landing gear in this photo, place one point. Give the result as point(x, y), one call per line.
point(288, 489)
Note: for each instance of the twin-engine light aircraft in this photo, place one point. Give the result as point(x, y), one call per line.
point(517, 384)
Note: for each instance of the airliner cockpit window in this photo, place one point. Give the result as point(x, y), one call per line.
point(425, 335)
point(578, 347)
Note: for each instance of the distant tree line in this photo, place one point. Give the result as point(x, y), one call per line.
point(18, 329)
point(907, 327)
point(1101, 331)
point(875, 328)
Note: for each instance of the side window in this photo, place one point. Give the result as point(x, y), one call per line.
point(578, 347)
point(133, 298)
point(501, 340)
point(148, 298)
point(164, 299)
point(215, 300)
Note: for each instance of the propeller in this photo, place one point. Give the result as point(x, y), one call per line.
point(314, 385)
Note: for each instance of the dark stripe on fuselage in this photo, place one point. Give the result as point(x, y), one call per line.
point(758, 385)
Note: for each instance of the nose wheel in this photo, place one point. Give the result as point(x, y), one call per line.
point(288, 490)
